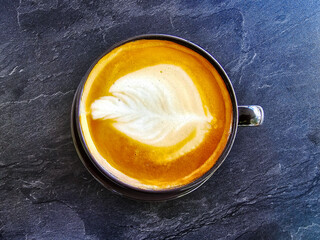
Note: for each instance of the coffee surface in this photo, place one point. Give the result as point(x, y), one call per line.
point(155, 114)
point(148, 106)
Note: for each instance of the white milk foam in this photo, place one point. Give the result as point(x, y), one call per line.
point(158, 105)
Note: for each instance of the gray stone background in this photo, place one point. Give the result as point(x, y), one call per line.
point(268, 188)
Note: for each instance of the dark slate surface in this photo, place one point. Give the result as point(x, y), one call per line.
point(268, 188)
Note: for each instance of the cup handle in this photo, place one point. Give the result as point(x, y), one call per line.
point(250, 116)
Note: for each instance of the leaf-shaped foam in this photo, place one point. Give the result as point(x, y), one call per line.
point(158, 105)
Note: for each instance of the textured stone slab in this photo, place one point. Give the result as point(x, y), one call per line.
point(268, 188)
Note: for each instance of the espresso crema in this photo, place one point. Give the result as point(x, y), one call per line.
point(155, 114)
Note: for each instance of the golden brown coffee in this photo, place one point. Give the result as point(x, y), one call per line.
point(155, 114)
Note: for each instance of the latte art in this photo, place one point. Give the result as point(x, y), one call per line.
point(158, 106)
point(154, 114)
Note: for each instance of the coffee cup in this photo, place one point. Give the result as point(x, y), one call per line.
point(155, 116)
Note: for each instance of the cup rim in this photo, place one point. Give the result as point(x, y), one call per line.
point(234, 125)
